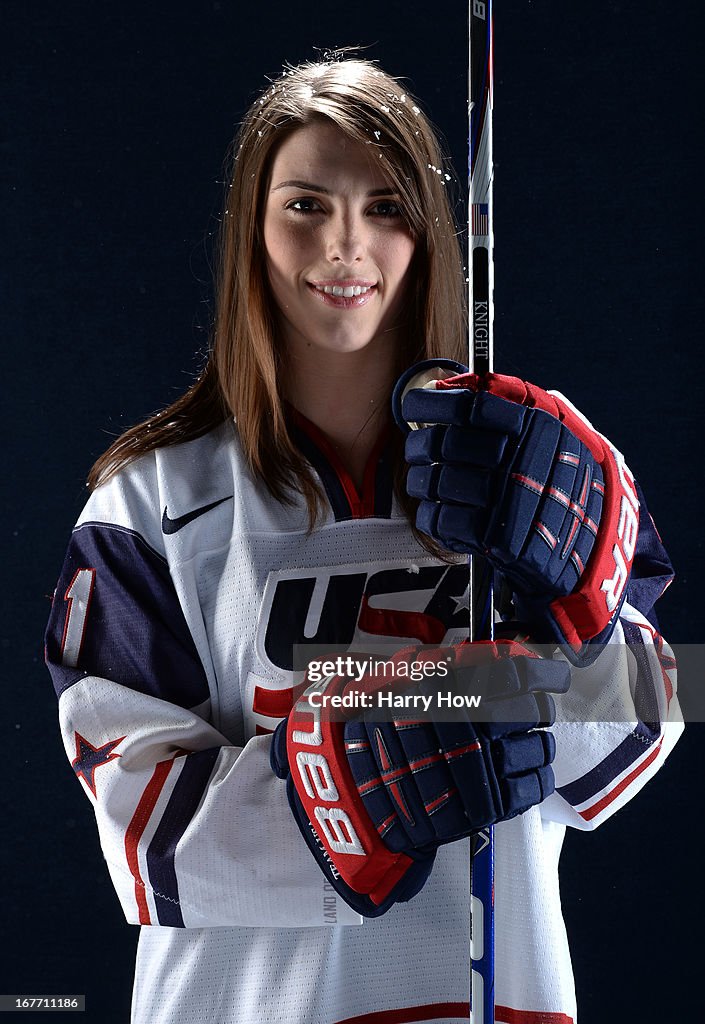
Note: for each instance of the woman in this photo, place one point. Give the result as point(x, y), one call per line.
point(266, 508)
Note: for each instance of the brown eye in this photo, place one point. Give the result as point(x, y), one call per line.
point(387, 208)
point(303, 205)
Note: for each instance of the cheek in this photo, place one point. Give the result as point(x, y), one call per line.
point(409, 249)
point(289, 252)
point(276, 248)
point(396, 253)
point(398, 258)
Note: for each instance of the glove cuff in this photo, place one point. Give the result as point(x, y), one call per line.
point(332, 817)
point(410, 877)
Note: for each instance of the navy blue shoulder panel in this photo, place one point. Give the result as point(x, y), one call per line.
point(115, 614)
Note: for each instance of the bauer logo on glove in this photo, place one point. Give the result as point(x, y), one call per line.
point(518, 475)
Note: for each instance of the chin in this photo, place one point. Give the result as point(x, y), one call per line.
point(344, 344)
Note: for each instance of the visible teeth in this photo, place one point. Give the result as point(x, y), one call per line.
point(347, 293)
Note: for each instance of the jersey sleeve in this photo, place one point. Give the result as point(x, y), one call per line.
point(621, 718)
point(196, 831)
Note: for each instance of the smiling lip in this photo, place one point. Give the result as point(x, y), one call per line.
point(345, 293)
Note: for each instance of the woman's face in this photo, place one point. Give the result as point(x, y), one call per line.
point(337, 246)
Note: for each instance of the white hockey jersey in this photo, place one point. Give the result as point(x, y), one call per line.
point(184, 588)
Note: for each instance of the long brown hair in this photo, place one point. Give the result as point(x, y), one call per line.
point(242, 377)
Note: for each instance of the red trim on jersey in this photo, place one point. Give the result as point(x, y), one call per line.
point(412, 1014)
point(362, 503)
point(461, 1011)
point(506, 1015)
point(390, 622)
point(136, 829)
point(593, 811)
point(273, 703)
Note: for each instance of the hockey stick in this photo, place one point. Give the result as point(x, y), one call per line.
point(480, 287)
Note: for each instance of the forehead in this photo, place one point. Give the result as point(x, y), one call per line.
point(323, 154)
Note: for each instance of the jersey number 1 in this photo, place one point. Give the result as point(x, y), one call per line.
point(78, 597)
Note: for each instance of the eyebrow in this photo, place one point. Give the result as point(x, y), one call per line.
point(308, 186)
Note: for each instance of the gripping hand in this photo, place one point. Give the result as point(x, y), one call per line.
point(375, 799)
point(508, 471)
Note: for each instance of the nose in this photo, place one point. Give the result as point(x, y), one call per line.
point(345, 242)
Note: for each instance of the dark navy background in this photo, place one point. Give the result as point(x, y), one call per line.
point(119, 117)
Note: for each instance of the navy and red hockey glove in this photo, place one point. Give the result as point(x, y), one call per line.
point(508, 471)
point(374, 800)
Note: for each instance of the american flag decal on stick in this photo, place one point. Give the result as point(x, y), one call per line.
point(480, 219)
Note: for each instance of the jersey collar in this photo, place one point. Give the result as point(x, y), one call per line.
point(375, 497)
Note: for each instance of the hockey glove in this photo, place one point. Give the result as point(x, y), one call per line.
point(505, 470)
point(375, 800)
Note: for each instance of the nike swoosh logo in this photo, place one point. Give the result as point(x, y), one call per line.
point(174, 525)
